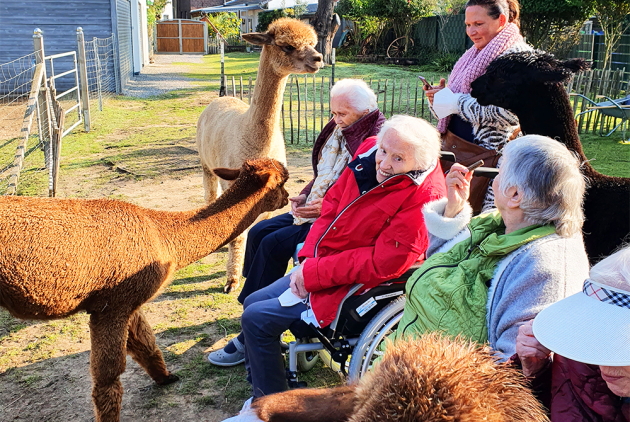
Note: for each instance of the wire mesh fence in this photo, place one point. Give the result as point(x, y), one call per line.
point(15, 137)
point(101, 74)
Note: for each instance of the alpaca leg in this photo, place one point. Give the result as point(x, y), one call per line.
point(210, 185)
point(142, 348)
point(107, 361)
point(236, 255)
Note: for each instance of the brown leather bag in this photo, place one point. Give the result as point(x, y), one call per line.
point(466, 153)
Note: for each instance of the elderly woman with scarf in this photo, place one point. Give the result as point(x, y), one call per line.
point(271, 243)
point(468, 129)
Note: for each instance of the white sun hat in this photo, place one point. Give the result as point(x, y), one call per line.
point(591, 327)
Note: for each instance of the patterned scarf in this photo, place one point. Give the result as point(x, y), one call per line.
point(334, 159)
point(474, 63)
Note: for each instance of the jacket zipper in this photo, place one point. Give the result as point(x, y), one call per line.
point(348, 206)
point(470, 249)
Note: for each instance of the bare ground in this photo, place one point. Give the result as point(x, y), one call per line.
point(44, 365)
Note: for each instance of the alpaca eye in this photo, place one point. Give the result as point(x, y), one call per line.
point(288, 49)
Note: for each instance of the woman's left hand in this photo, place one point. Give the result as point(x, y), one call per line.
point(534, 356)
point(297, 282)
point(311, 210)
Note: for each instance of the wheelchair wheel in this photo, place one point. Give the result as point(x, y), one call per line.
point(367, 349)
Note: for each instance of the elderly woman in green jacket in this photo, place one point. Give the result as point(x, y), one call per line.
point(486, 276)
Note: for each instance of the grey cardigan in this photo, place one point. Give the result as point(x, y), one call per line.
point(525, 282)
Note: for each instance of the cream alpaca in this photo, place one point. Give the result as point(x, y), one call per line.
point(230, 132)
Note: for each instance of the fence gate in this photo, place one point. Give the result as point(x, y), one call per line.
point(182, 36)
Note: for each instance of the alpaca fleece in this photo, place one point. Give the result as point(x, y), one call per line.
point(229, 131)
point(530, 84)
point(431, 379)
point(106, 257)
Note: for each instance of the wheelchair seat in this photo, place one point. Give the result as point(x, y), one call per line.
point(358, 311)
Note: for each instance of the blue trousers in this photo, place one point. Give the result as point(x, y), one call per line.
point(270, 246)
point(263, 321)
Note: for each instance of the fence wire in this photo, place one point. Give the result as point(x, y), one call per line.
point(99, 61)
point(15, 85)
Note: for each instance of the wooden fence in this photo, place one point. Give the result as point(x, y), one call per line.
point(595, 84)
point(306, 103)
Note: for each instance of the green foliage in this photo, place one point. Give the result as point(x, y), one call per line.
point(154, 11)
point(613, 17)
point(552, 24)
point(228, 24)
point(444, 62)
point(265, 18)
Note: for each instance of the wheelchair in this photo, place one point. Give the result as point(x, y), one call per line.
point(366, 317)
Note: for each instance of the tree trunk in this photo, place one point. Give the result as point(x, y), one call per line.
point(326, 23)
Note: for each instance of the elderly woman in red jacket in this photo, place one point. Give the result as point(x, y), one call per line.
point(589, 378)
point(371, 230)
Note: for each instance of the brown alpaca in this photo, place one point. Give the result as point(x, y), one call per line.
point(107, 258)
point(431, 379)
point(230, 132)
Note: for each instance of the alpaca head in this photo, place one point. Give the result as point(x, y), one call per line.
point(263, 173)
point(512, 80)
point(290, 46)
point(434, 378)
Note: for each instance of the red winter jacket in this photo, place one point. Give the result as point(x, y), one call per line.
point(579, 393)
point(366, 239)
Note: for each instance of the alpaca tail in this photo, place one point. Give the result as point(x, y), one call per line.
point(307, 405)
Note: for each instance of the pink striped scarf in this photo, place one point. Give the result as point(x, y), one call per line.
point(474, 62)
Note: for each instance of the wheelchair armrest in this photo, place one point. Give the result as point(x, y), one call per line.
point(447, 156)
point(488, 172)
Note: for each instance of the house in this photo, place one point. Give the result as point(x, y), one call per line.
point(248, 10)
point(126, 19)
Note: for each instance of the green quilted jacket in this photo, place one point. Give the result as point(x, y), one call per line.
point(449, 291)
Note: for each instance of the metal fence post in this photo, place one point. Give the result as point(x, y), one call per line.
point(42, 100)
point(98, 74)
point(83, 86)
point(115, 54)
point(222, 89)
point(181, 48)
point(332, 59)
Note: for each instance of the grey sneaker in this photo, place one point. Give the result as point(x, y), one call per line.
point(222, 358)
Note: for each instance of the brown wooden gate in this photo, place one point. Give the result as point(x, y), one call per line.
point(182, 36)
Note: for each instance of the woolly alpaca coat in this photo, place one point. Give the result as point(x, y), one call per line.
point(429, 379)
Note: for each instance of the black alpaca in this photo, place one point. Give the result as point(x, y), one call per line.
point(530, 85)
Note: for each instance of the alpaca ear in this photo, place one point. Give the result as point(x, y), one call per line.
point(576, 65)
point(258, 38)
point(226, 174)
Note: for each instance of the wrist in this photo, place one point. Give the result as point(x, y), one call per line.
point(451, 210)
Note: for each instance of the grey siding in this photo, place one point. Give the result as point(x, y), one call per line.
point(58, 20)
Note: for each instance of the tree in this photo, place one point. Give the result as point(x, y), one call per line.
point(613, 18)
point(554, 25)
point(154, 11)
point(227, 23)
point(326, 23)
point(445, 10)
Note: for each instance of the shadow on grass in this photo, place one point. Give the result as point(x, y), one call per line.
point(199, 278)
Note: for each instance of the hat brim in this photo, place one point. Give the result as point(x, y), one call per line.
point(586, 330)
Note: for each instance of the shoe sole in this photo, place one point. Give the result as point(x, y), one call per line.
point(217, 363)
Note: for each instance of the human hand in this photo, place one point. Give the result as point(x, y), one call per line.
point(533, 355)
point(431, 92)
point(458, 189)
point(297, 201)
point(311, 210)
point(297, 282)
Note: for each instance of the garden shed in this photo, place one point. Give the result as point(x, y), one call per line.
point(125, 19)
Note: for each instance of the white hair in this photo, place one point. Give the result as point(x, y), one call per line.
point(548, 177)
point(358, 94)
point(613, 271)
point(419, 133)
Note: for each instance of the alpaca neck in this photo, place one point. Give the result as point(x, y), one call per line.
point(193, 235)
point(553, 118)
point(265, 108)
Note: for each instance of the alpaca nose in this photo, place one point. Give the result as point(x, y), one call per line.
point(318, 57)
